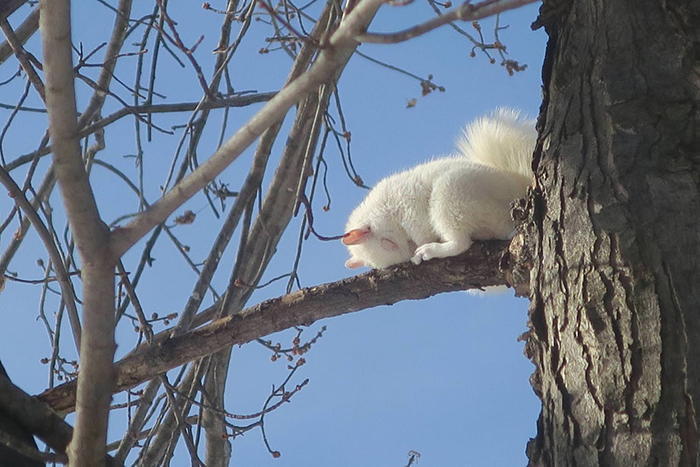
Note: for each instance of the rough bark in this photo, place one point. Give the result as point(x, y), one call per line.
point(615, 229)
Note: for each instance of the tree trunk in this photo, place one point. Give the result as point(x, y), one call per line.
point(614, 227)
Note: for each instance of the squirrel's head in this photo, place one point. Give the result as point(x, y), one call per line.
point(377, 247)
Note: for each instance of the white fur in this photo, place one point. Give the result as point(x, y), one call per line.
point(438, 208)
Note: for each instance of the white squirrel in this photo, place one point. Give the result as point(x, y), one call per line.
point(438, 208)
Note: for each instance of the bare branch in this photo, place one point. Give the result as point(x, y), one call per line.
point(144, 325)
point(216, 446)
point(221, 103)
point(63, 127)
point(91, 237)
point(25, 30)
point(478, 267)
point(22, 452)
point(333, 58)
point(466, 12)
point(121, 24)
point(188, 51)
point(9, 6)
point(34, 416)
point(23, 58)
point(225, 102)
point(61, 274)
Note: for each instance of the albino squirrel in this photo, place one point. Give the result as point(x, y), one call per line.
point(438, 208)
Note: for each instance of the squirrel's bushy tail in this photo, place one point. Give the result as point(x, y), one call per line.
point(503, 139)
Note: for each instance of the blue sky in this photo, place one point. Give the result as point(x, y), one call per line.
point(444, 377)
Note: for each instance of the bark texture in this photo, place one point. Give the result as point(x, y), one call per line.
point(614, 225)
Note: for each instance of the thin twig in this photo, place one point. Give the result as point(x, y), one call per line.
point(23, 58)
point(188, 51)
point(145, 327)
point(263, 4)
point(56, 259)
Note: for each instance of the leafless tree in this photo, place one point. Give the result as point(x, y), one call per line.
point(91, 266)
point(608, 249)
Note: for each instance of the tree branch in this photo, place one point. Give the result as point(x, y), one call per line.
point(161, 445)
point(86, 225)
point(23, 58)
point(116, 41)
point(42, 231)
point(91, 237)
point(25, 30)
point(226, 102)
point(466, 12)
point(33, 415)
point(478, 267)
point(8, 7)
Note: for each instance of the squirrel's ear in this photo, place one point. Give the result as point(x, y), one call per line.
point(354, 263)
point(356, 236)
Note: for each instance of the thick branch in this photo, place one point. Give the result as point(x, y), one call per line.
point(35, 416)
point(8, 7)
point(478, 267)
point(78, 199)
point(91, 237)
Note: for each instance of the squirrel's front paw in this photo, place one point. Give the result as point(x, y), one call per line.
point(439, 250)
point(424, 253)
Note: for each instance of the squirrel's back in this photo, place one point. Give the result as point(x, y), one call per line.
point(438, 208)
